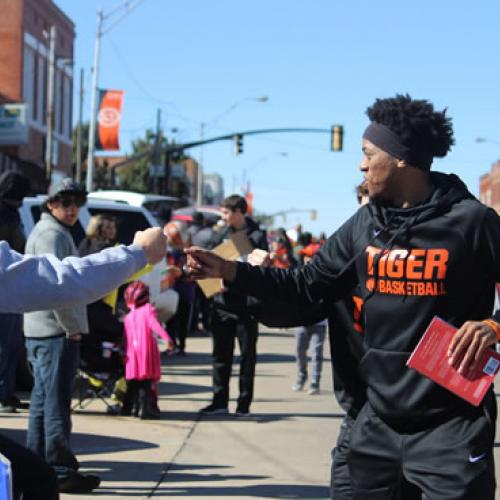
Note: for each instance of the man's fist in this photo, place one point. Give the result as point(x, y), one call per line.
point(153, 242)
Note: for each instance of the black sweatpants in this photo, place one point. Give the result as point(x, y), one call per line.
point(31, 475)
point(451, 460)
point(224, 332)
point(179, 325)
point(340, 481)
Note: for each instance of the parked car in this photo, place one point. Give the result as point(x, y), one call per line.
point(160, 206)
point(129, 219)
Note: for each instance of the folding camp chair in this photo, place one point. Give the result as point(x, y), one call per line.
point(94, 383)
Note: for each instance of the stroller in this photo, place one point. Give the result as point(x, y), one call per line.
point(101, 359)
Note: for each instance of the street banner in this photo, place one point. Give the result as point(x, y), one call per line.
point(108, 120)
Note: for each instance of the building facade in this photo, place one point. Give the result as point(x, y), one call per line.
point(489, 187)
point(24, 30)
point(213, 189)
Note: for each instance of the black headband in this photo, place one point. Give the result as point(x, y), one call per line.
point(384, 138)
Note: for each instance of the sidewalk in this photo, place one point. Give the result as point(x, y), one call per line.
point(281, 451)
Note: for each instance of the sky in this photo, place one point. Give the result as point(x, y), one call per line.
point(320, 63)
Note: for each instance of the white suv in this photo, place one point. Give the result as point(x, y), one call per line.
point(160, 206)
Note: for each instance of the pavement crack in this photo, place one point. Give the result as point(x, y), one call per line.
point(168, 465)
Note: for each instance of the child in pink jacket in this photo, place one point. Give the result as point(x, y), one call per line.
point(142, 356)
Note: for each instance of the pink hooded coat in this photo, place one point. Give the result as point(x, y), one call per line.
point(142, 356)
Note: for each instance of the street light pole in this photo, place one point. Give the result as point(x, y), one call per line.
point(50, 104)
point(79, 130)
point(128, 5)
point(93, 105)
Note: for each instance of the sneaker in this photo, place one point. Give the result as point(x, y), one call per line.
point(78, 483)
point(17, 403)
point(298, 386)
point(14, 401)
point(212, 409)
point(7, 407)
point(313, 389)
point(242, 412)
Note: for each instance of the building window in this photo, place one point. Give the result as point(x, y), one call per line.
point(29, 80)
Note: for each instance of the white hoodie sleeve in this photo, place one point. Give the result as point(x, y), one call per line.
point(34, 283)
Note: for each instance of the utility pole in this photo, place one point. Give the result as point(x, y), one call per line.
point(50, 104)
point(79, 132)
point(157, 151)
point(93, 105)
point(199, 177)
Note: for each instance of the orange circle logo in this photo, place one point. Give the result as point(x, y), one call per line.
point(108, 117)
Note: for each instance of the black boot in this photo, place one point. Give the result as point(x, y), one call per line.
point(146, 409)
point(131, 399)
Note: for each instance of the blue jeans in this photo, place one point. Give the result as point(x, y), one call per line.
point(315, 336)
point(54, 361)
point(11, 343)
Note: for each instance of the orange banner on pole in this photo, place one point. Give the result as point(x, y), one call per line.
point(108, 120)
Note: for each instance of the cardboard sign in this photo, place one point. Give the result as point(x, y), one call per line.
point(232, 249)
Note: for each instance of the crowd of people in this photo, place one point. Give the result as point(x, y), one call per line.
point(356, 287)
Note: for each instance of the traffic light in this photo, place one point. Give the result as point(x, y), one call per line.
point(314, 214)
point(337, 137)
point(238, 144)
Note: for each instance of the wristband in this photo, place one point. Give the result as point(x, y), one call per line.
point(494, 326)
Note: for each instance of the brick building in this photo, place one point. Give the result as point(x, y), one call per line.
point(489, 187)
point(24, 25)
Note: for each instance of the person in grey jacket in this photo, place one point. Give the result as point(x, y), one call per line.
point(52, 343)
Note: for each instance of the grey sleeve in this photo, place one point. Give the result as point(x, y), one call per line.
point(34, 283)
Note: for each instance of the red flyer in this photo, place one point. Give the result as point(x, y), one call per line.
point(430, 358)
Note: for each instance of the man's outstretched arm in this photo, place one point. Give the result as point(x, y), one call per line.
point(31, 283)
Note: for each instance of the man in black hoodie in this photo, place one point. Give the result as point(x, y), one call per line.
point(14, 186)
point(423, 246)
point(231, 319)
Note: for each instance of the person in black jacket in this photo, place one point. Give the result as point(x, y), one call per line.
point(230, 320)
point(423, 246)
point(14, 186)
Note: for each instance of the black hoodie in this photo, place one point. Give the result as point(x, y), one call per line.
point(230, 303)
point(439, 258)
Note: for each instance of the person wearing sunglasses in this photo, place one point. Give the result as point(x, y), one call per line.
point(52, 344)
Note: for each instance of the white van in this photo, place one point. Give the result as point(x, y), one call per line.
point(160, 206)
